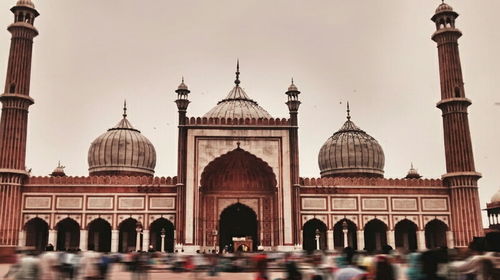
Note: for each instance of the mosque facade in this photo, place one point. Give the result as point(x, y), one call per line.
point(238, 185)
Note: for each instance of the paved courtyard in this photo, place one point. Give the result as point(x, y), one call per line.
point(118, 273)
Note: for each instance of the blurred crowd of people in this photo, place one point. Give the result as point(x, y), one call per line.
point(480, 262)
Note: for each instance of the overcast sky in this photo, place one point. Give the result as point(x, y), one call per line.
point(91, 55)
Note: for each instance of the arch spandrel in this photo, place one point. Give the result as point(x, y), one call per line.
point(443, 219)
point(137, 218)
point(412, 218)
point(384, 220)
point(92, 218)
point(29, 217)
point(153, 218)
point(75, 218)
point(322, 218)
point(228, 205)
point(353, 218)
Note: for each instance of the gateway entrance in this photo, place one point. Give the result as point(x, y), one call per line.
point(238, 229)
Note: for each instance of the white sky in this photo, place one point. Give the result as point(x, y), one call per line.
point(91, 55)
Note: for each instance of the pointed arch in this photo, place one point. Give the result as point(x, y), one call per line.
point(37, 233)
point(311, 230)
point(158, 228)
point(127, 238)
point(375, 232)
point(435, 234)
point(237, 220)
point(99, 235)
point(68, 234)
point(405, 232)
point(339, 236)
point(238, 170)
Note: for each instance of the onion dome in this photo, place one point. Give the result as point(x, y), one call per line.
point(183, 86)
point(496, 197)
point(58, 171)
point(351, 152)
point(237, 104)
point(122, 150)
point(26, 3)
point(413, 173)
point(293, 87)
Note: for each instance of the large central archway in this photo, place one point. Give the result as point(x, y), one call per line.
point(238, 180)
point(237, 221)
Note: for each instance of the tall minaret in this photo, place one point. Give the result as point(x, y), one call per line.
point(13, 124)
point(182, 103)
point(461, 176)
point(293, 104)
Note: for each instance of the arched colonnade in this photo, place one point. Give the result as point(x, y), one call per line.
point(375, 234)
point(99, 235)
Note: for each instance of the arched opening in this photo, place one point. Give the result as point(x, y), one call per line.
point(314, 234)
point(162, 227)
point(236, 222)
point(37, 234)
point(375, 235)
point(237, 175)
point(345, 230)
point(127, 239)
point(457, 92)
point(435, 234)
point(99, 236)
point(238, 170)
point(68, 235)
point(406, 235)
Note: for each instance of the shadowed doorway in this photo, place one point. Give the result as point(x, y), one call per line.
point(375, 235)
point(237, 220)
point(99, 238)
point(37, 234)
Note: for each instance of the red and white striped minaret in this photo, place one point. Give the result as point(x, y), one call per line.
point(460, 176)
point(13, 124)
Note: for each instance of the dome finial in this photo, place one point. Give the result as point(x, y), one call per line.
point(237, 81)
point(124, 108)
point(348, 112)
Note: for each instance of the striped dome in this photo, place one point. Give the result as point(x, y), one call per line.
point(351, 152)
point(122, 150)
point(26, 3)
point(238, 105)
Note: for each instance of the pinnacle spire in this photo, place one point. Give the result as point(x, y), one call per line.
point(237, 81)
point(348, 112)
point(124, 108)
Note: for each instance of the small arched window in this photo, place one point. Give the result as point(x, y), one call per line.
point(457, 92)
point(12, 88)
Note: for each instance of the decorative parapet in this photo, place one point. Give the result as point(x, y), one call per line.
point(361, 181)
point(102, 180)
point(242, 121)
